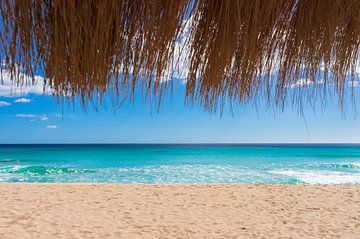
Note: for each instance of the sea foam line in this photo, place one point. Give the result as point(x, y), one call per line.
point(321, 177)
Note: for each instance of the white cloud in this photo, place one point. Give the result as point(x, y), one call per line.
point(44, 118)
point(354, 83)
point(305, 82)
point(4, 103)
point(357, 68)
point(301, 83)
point(52, 127)
point(33, 117)
point(25, 115)
point(179, 65)
point(22, 100)
point(64, 116)
point(9, 88)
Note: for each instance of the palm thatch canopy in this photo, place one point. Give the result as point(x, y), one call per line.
point(232, 49)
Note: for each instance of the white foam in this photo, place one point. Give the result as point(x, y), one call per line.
point(323, 177)
point(357, 164)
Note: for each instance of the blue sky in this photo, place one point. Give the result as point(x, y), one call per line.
point(31, 117)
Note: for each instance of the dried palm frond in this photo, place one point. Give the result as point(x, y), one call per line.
point(237, 49)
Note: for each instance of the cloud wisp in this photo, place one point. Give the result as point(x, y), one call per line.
point(4, 103)
point(52, 126)
point(22, 100)
point(26, 116)
point(44, 118)
point(33, 117)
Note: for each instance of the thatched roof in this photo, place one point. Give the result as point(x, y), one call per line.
point(234, 50)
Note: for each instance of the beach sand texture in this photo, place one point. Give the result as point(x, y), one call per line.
point(179, 211)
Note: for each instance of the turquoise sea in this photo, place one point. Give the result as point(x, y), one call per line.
point(286, 164)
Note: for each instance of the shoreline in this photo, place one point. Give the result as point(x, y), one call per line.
point(95, 210)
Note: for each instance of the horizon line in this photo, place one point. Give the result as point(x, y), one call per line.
point(234, 144)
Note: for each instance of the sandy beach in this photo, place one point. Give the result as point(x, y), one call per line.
point(179, 211)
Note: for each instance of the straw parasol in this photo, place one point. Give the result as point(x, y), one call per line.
point(235, 50)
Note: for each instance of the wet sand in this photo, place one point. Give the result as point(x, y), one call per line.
point(179, 211)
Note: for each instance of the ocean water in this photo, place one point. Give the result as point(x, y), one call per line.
point(175, 164)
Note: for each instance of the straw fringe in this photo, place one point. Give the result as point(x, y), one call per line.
point(238, 48)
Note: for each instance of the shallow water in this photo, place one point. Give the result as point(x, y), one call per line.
point(287, 164)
